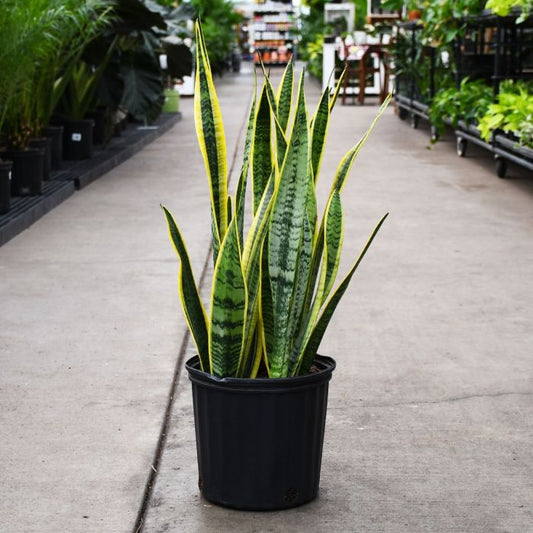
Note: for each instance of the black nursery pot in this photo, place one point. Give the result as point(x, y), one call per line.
point(44, 144)
point(27, 171)
point(5, 186)
point(78, 139)
point(55, 133)
point(259, 441)
point(98, 116)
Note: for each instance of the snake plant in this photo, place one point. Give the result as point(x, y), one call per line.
point(272, 293)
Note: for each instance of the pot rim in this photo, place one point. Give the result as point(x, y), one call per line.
point(325, 365)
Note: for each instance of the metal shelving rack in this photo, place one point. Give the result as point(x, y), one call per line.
point(494, 49)
point(271, 32)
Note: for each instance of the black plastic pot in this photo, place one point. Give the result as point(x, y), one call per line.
point(56, 134)
point(27, 171)
point(78, 139)
point(98, 116)
point(259, 441)
point(44, 144)
point(5, 186)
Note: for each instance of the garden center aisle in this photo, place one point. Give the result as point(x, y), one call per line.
point(429, 423)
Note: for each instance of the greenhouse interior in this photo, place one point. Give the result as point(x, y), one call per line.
point(177, 180)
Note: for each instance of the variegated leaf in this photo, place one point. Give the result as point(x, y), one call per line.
point(284, 96)
point(261, 149)
point(319, 132)
point(286, 227)
point(329, 265)
point(266, 316)
point(240, 197)
point(190, 299)
point(310, 351)
point(300, 287)
point(228, 307)
point(281, 140)
point(211, 138)
point(251, 265)
point(347, 161)
point(333, 239)
point(340, 82)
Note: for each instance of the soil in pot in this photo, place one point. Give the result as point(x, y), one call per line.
point(5, 186)
point(259, 441)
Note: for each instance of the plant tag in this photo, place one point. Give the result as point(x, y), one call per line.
point(76, 137)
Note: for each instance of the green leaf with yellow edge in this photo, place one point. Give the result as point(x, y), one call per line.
point(286, 228)
point(251, 265)
point(228, 307)
point(347, 161)
point(334, 229)
point(329, 265)
point(190, 299)
point(310, 350)
point(319, 132)
point(261, 148)
point(284, 95)
point(240, 197)
point(211, 138)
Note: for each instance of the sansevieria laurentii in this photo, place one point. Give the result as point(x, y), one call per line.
point(272, 293)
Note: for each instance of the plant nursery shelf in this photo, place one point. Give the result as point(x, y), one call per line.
point(503, 148)
point(414, 111)
point(25, 210)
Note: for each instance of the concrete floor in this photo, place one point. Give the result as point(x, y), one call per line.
point(430, 420)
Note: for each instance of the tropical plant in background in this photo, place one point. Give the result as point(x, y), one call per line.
point(272, 293)
point(219, 19)
point(511, 114)
point(442, 20)
point(16, 59)
point(468, 103)
point(41, 41)
point(504, 8)
point(133, 80)
point(314, 56)
point(76, 24)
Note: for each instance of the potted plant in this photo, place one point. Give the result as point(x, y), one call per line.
point(22, 44)
point(74, 26)
point(5, 186)
point(504, 8)
point(259, 386)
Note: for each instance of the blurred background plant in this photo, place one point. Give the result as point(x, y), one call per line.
point(512, 113)
point(219, 20)
point(469, 102)
point(41, 41)
point(65, 58)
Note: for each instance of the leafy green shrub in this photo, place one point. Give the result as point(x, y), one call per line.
point(273, 290)
point(468, 103)
point(40, 42)
point(315, 56)
point(504, 7)
point(218, 23)
point(512, 113)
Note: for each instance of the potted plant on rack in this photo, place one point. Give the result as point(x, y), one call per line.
point(259, 386)
point(74, 26)
point(22, 43)
point(79, 98)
